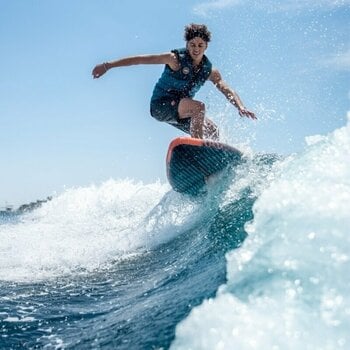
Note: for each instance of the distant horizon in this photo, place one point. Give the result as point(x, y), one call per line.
point(16, 207)
point(61, 129)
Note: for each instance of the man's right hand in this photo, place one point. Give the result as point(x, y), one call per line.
point(99, 70)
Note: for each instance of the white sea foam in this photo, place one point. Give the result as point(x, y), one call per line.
point(288, 285)
point(85, 228)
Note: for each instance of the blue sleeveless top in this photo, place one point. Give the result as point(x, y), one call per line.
point(184, 82)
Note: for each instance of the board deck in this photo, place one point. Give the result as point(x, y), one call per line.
point(190, 162)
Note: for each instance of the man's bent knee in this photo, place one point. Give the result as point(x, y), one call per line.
point(199, 107)
point(191, 108)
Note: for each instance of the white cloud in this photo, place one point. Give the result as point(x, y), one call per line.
point(340, 61)
point(205, 8)
point(310, 4)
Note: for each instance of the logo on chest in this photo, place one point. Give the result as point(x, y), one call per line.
point(185, 70)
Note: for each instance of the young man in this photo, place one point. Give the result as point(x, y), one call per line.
point(186, 70)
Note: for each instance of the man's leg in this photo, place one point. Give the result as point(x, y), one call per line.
point(210, 130)
point(200, 126)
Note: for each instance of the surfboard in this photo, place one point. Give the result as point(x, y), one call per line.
point(190, 162)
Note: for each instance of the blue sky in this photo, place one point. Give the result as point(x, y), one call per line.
point(59, 128)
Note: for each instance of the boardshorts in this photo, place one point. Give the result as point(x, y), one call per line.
point(166, 110)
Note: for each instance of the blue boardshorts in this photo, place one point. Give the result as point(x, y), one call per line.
point(166, 110)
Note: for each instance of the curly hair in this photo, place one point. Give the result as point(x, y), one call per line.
point(197, 30)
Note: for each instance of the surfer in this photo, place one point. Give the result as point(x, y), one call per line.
point(186, 70)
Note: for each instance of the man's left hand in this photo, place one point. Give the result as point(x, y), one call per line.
point(244, 112)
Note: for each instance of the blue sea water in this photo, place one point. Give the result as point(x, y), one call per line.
point(259, 262)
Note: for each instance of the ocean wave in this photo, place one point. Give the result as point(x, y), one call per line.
point(287, 286)
point(86, 228)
